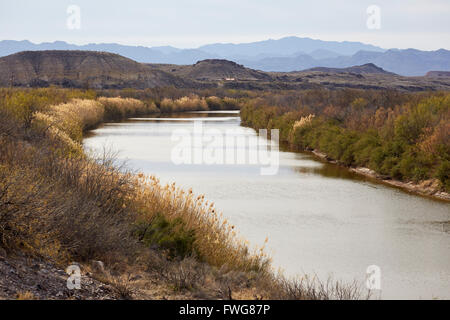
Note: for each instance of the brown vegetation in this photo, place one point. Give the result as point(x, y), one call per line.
point(58, 203)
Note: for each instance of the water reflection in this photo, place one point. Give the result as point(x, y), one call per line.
point(320, 218)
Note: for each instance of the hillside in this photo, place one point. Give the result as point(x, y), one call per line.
point(368, 68)
point(215, 70)
point(80, 69)
point(367, 76)
point(102, 70)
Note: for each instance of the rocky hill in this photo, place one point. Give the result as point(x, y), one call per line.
point(368, 76)
point(80, 69)
point(216, 70)
point(368, 68)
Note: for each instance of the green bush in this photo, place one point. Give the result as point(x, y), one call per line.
point(402, 135)
point(443, 174)
point(167, 235)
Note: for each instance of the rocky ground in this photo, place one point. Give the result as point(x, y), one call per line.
point(429, 187)
point(22, 277)
point(26, 277)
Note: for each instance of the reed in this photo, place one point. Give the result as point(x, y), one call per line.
point(215, 240)
point(57, 202)
point(188, 103)
point(143, 197)
point(119, 108)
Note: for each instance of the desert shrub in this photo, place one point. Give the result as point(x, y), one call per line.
point(88, 209)
point(214, 103)
point(22, 103)
point(74, 205)
point(215, 241)
point(56, 201)
point(306, 287)
point(187, 103)
point(171, 236)
point(26, 295)
point(226, 103)
point(181, 274)
point(76, 116)
point(443, 173)
point(229, 103)
point(119, 108)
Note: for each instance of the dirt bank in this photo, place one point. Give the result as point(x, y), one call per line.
point(430, 188)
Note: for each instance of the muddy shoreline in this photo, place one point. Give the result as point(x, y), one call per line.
point(429, 188)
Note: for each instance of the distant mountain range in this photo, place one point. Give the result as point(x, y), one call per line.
point(285, 47)
point(409, 62)
point(283, 55)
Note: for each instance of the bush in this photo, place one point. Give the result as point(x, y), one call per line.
point(191, 103)
point(121, 108)
point(213, 239)
point(171, 236)
point(443, 174)
point(53, 193)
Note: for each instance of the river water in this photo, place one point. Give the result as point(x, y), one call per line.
point(319, 218)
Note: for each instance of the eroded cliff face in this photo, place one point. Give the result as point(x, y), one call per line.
point(102, 70)
point(215, 69)
point(80, 69)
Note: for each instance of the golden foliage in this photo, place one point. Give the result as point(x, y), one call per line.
point(216, 241)
point(303, 122)
point(120, 108)
point(66, 189)
point(191, 103)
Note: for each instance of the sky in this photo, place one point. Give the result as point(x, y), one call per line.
point(420, 24)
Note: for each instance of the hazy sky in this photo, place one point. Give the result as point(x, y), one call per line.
point(422, 24)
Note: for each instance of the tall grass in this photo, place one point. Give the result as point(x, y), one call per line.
point(196, 103)
point(74, 117)
point(57, 202)
point(226, 103)
point(98, 196)
point(191, 103)
point(215, 240)
point(120, 108)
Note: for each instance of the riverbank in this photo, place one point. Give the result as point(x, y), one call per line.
point(319, 217)
point(429, 188)
point(401, 137)
point(59, 204)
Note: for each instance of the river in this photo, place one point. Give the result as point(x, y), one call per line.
point(319, 218)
